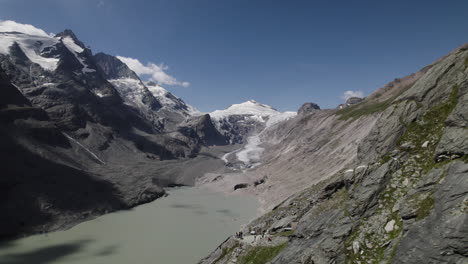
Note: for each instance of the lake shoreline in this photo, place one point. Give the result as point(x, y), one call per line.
point(193, 218)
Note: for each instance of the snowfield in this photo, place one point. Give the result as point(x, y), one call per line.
point(32, 46)
point(251, 107)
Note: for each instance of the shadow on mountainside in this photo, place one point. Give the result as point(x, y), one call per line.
point(33, 190)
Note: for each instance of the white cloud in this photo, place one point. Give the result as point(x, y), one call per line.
point(10, 26)
point(348, 94)
point(156, 72)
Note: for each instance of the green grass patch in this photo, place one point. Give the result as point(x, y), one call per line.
point(365, 108)
point(377, 253)
point(393, 252)
point(425, 207)
point(386, 158)
point(429, 128)
point(336, 201)
point(261, 255)
point(226, 251)
point(419, 161)
point(464, 158)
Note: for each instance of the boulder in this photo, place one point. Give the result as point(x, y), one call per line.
point(240, 186)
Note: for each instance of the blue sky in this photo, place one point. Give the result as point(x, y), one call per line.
point(281, 53)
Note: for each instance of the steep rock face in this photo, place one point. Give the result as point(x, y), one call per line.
point(112, 68)
point(404, 203)
point(10, 95)
point(454, 140)
point(429, 89)
point(163, 109)
point(203, 127)
point(127, 83)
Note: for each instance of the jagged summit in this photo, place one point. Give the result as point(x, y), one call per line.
point(112, 67)
point(71, 34)
point(66, 33)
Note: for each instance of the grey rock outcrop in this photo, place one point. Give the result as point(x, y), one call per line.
point(350, 101)
point(202, 127)
point(354, 100)
point(308, 108)
point(112, 68)
point(443, 234)
point(454, 140)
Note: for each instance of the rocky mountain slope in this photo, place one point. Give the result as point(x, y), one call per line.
point(380, 181)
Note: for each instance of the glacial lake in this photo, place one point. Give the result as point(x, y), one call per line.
point(183, 227)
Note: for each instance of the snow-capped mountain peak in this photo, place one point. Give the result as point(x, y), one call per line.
point(41, 48)
point(250, 108)
point(239, 121)
point(67, 33)
point(77, 49)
